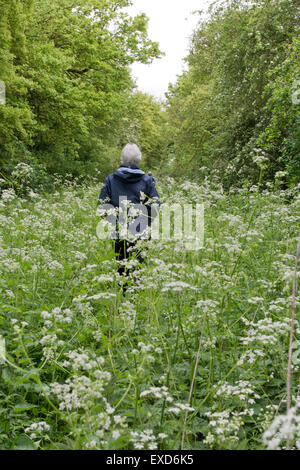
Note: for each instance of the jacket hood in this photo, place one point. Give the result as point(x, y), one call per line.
point(128, 174)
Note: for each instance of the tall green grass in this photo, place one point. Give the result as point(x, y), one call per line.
point(198, 343)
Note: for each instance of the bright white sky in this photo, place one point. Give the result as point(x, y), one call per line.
point(171, 24)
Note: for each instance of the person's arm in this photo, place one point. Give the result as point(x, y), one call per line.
point(105, 194)
point(104, 201)
point(153, 203)
point(152, 192)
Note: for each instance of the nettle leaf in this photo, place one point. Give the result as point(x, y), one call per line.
point(24, 443)
point(20, 407)
point(7, 375)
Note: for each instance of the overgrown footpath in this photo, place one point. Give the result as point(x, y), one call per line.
point(194, 355)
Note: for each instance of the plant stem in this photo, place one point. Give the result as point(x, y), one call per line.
point(192, 388)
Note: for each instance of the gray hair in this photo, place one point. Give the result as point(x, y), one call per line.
point(131, 154)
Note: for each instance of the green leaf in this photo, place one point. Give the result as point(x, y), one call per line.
point(23, 407)
point(24, 443)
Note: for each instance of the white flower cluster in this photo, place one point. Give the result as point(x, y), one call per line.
point(102, 295)
point(129, 263)
point(280, 174)
point(254, 235)
point(103, 425)
point(209, 308)
point(158, 392)
point(22, 170)
point(17, 326)
point(10, 294)
point(33, 195)
point(143, 440)
point(81, 360)
point(37, 429)
point(255, 300)
point(283, 428)
point(163, 393)
point(189, 186)
point(103, 278)
point(55, 265)
point(8, 195)
point(148, 354)
point(97, 335)
point(207, 305)
point(250, 356)
point(128, 313)
point(79, 256)
point(51, 340)
point(52, 322)
point(234, 247)
point(80, 391)
point(179, 408)
point(224, 425)
point(242, 389)
point(279, 305)
point(260, 157)
point(209, 343)
point(265, 331)
point(146, 348)
point(90, 267)
point(57, 316)
point(231, 218)
point(177, 286)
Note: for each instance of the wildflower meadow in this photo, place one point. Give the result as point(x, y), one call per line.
point(194, 354)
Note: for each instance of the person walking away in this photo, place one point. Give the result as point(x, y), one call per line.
point(131, 183)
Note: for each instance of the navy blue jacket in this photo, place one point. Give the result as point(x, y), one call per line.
point(129, 181)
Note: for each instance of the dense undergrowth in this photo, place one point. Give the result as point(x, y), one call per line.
point(84, 367)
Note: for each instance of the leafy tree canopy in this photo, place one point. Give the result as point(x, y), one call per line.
point(66, 68)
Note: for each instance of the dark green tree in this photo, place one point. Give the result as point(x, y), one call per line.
point(66, 67)
point(218, 108)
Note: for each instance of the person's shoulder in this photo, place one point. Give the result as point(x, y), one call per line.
point(150, 182)
point(109, 177)
point(145, 178)
point(149, 179)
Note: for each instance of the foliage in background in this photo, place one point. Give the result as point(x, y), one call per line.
point(72, 104)
point(83, 367)
point(281, 137)
point(237, 93)
point(145, 124)
point(66, 64)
